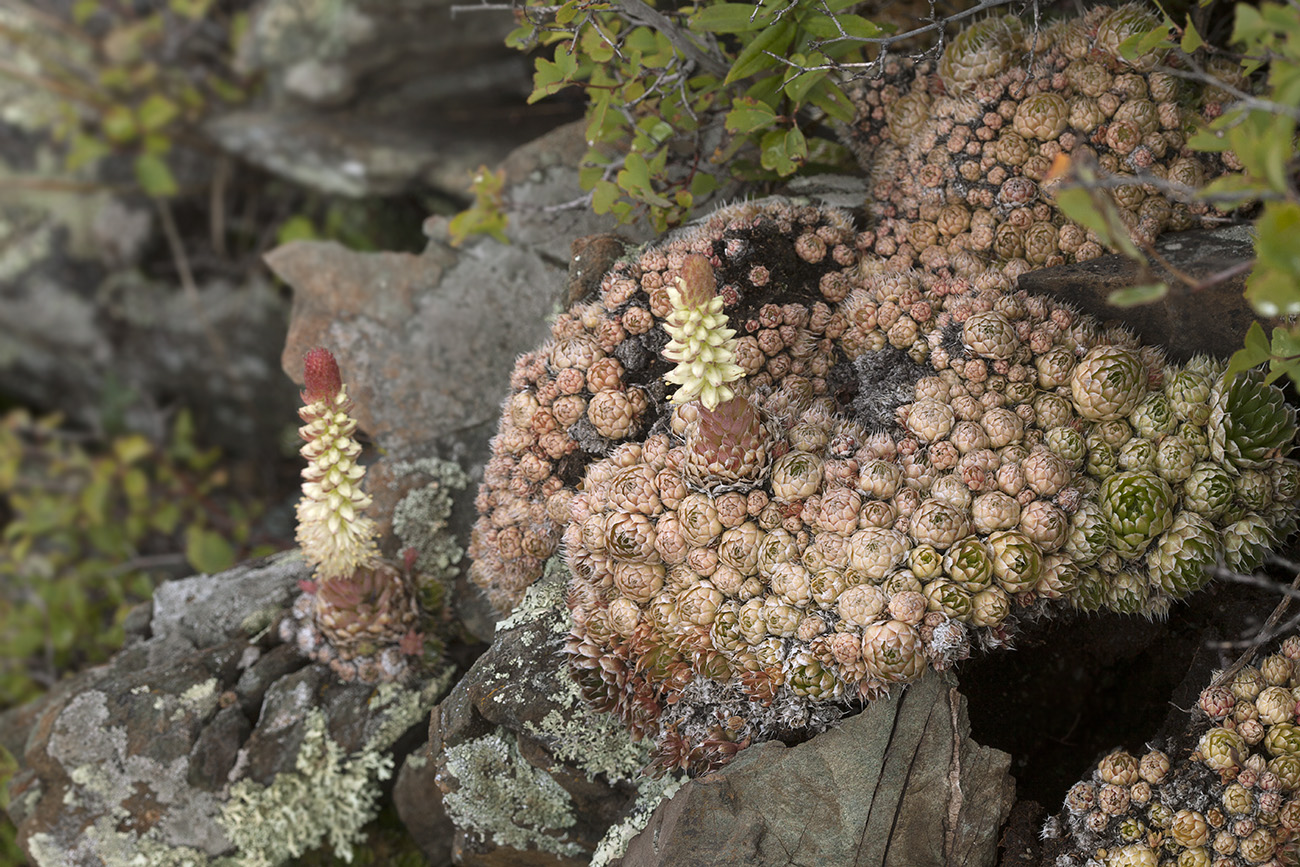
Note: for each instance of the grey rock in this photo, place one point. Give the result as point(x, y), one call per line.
point(899, 784)
point(514, 730)
point(190, 745)
point(1212, 320)
point(367, 97)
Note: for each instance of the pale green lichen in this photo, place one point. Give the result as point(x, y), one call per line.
point(543, 596)
point(500, 796)
point(650, 793)
point(420, 519)
point(328, 798)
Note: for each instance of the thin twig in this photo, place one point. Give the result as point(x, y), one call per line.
point(1266, 632)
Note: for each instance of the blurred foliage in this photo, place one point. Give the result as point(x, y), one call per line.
point(127, 78)
point(682, 101)
point(89, 528)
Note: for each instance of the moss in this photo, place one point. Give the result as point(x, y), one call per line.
point(502, 797)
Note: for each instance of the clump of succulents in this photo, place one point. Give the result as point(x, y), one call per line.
point(912, 463)
point(962, 150)
point(1232, 801)
point(359, 614)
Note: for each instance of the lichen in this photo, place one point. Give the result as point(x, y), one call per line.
point(501, 796)
point(650, 793)
point(104, 775)
point(328, 797)
point(420, 519)
point(541, 598)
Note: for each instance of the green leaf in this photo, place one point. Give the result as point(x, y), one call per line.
point(749, 115)
point(1234, 189)
point(299, 227)
point(1272, 292)
point(552, 76)
point(1140, 44)
point(154, 177)
point(828, 96)
point(1191, 39)
point(798, 83)
point(729, 18)
point(191, 9)
point(85, 150)
point(207, 552)
point(603, 196)
point(1255, 352)
point(783, 151)
point(852, 25)
point(81, 12)
point(120, 124)
point(1135, 295)
point(1249, 25)
point(752, 58)
point(1095, 209)
point(1277, 229)
point(156, 112)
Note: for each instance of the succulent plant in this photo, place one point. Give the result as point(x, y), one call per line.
point(961, 150)
point(1231, 798)
point(909, 457)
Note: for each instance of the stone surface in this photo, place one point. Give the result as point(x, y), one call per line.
point(1211, 321)
point(191, 744)
point(372, 97)
point(899, 784)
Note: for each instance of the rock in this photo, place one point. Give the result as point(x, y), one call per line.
point(373, 97)
point(424, 341)
point(1211, 321)
point(901, 783)
point(207, 739)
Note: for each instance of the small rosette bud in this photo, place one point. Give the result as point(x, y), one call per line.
point(701, 344)
point(1250, 421)
point(366, 610)
point(727, 446)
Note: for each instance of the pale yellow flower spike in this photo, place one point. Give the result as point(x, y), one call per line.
point(334, 534)
point(701, 344)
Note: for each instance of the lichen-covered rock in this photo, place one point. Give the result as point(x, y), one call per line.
point(923, 461)
point(525, 771)
point(1225, 793)
point(208, 742)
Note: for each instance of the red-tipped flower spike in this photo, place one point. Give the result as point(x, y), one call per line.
point(332, 531)
point(320, 373)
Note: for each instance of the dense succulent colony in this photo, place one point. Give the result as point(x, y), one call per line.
point(1232, 801)
point(360, 614)
point(909, 465)
point(960, 151)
